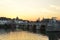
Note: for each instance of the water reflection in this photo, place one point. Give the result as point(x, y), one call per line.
point(21, 35)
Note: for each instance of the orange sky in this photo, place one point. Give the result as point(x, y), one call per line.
point(30, 9)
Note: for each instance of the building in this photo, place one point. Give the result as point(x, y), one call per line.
point(4, 20)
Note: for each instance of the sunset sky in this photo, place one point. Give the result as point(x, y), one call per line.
point(30, 9)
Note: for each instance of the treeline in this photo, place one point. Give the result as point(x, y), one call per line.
point(5, 18)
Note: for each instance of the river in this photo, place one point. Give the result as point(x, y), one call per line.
point(21, 35)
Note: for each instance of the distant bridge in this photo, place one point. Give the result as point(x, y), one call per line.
point(33, 27)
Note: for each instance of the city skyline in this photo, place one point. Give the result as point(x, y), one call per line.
point(30, 9)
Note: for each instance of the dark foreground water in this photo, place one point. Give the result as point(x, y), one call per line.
point(21, 35)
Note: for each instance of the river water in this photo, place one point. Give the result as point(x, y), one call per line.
point(21, 35)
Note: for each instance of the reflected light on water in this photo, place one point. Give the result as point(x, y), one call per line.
point(22, 35)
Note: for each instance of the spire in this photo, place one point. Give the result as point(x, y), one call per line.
point(38, 20)
point(17, 18)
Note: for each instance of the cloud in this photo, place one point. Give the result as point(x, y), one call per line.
point(50, 9)
point(55, 6)
point(44, 10)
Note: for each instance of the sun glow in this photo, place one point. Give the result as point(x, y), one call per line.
point(30, 9)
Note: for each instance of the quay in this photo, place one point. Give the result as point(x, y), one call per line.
point(33, 26)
